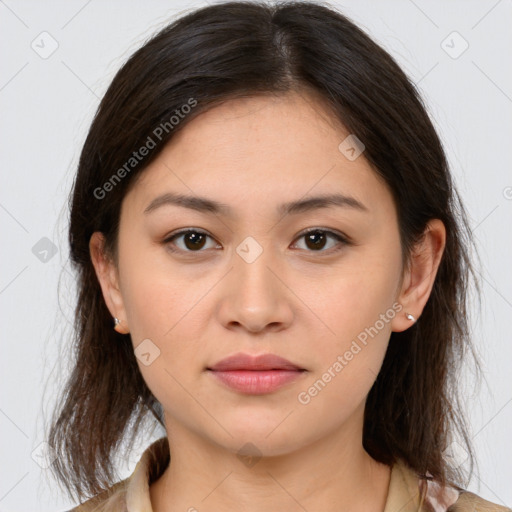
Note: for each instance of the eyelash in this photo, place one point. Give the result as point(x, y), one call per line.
point(344, 241)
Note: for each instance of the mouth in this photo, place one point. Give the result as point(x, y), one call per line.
point(247, 362)
point(255, 375)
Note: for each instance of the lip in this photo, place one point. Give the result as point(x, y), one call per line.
point(256, 375)
point(242, 361)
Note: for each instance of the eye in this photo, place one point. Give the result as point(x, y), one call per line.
point(315, 239)
point(193, 240)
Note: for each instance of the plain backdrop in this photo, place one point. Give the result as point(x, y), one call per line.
point(57, 59)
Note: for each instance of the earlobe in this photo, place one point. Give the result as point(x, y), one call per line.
point(424, 264)
point(410, 317)
point(119, 327)
point(108, 278)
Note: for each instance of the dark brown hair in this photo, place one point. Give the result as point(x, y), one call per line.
point(240, 49)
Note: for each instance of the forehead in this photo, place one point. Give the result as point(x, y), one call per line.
point(258, 151)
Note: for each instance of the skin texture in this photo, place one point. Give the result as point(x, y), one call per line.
point(302, 303)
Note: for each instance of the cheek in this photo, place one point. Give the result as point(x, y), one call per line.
point(357, 307)
point(161, 312)
point(351, 355)
point(162, 304)
point(158, 297)
point(355, 297)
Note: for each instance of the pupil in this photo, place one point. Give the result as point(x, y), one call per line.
point(194, 238)
point(313, 237)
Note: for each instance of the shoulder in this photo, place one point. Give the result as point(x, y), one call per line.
point(451, 498)
point(132, 493)
point(416, 493)
point(112, 499)
point(469, 502)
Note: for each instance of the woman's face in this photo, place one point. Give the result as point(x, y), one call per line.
point(249, 280)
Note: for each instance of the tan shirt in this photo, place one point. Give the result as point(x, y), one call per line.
point(406, 493)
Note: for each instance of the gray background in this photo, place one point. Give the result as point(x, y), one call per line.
point(47, 105)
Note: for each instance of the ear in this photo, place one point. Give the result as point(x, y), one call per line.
point(420, 276)
point(108, 277)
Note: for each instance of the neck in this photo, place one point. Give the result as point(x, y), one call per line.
point(331, 474)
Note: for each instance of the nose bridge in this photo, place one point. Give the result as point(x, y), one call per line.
point(254, 297)
point(251, 270)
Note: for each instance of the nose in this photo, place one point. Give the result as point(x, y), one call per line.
point(255, 297)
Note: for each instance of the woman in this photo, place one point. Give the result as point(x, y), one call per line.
point(264, 213)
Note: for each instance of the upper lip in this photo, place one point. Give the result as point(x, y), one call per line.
point(241, 361)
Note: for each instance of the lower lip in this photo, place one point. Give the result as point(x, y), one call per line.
point(258, 382)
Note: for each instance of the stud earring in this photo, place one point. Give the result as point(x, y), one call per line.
point(410, 317)
point(118, 328)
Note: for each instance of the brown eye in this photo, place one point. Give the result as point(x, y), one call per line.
point(192, 240)
point(317, 239)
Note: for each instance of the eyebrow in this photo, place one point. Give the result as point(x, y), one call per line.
point(205, 205)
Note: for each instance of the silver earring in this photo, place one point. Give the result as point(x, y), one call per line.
point(410, 317)
point(116, 322)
